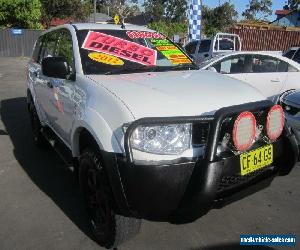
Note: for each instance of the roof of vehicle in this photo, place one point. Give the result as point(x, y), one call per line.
point(266, 53)
point(110, 26)
point(100, 26)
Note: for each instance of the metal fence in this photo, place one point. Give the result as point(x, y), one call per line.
point(278, 40)
point(18, 43)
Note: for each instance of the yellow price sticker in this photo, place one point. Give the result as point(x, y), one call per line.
point(106, 59)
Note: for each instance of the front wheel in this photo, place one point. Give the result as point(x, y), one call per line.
point(109, 229)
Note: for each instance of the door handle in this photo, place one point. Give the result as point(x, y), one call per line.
point(49, 85)
point(275, 80)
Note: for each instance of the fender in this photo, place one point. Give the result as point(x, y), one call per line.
point(109, 147)
point(99, 129)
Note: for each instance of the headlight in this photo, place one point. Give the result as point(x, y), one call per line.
point(172, 139)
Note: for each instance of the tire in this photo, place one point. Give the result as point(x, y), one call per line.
point(38, 138)
point(109, 229)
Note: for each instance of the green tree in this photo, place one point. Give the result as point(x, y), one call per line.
point(20, 13)
point(176, 10)
point(123, 8)
point(258, 10)
point(156, 9)
point(293, 4)
point(73, 9)
point(218, 19)
point(166, 10)
point(169, 29)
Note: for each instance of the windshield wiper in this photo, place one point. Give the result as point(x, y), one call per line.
point(153, 68)
point(130, 70)
point(185, 66)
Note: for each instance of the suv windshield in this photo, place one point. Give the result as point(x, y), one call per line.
point(123, 51)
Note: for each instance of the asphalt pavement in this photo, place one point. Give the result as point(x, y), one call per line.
point(41, 206)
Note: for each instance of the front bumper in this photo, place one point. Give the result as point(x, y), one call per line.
point(183, 191)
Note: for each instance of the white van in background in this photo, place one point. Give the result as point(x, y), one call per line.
point(207, 48)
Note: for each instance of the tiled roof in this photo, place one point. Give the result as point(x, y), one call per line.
point(283, 12)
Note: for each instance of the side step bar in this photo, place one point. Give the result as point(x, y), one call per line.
point(59, 147)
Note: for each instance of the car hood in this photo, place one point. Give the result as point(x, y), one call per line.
point(177, 93)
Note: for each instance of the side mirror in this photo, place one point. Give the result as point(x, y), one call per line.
point(211, 68)
point(56, 67)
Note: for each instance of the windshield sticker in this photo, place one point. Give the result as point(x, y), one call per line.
point(158, 42)
point(167, 47)
point(144, 34)
point(105, 58)
point(115, 46)
point(170, 51)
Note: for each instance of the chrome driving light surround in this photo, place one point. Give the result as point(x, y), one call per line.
point(244, 131)
point(275, 122)
point(170, 139)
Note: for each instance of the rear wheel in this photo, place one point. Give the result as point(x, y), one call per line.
point(39, 140)
point(109, 229)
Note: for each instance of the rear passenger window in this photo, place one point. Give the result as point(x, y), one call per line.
point(282, 66)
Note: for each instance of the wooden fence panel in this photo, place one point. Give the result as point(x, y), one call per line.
point(17, 45)
point(253, 39)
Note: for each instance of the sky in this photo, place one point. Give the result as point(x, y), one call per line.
point(240, 5)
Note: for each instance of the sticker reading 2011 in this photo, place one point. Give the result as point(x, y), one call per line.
point(101, 42)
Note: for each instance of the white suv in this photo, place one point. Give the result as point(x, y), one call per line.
point(150, 135)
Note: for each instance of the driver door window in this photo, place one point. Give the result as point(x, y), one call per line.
point(48, 45)
point(62, 111)
point(65, 49)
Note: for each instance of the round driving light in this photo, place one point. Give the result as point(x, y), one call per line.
point(275, 122)
point(244, 131)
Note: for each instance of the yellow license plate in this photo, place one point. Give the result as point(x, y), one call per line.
point(256, 159)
